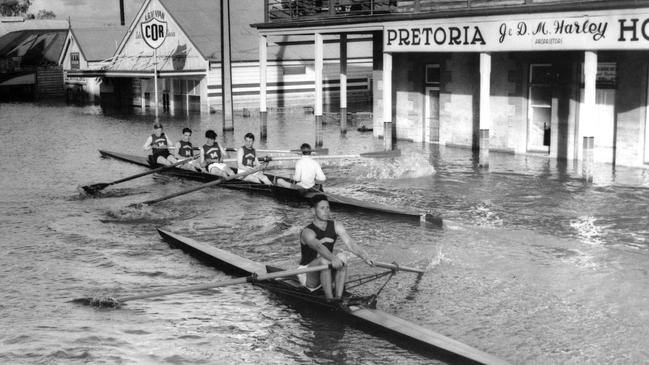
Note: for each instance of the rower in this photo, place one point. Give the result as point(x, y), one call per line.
point(308, 172)
point(317, 246)
point(159, 143)
point(247, 160)
point(212, 156)
point(185, 149)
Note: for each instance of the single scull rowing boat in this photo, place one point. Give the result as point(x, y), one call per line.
point(361, 310)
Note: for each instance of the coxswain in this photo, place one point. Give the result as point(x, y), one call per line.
point(317, 242)
point(308, 172)
point(185, 150)
point(159, 144)
point(212, 156)
point(247, 160)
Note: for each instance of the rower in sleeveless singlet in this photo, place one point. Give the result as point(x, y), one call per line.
point(212, 156)
point(317, 248)
point(185, 149)
point(159, 143)
point(247, 160)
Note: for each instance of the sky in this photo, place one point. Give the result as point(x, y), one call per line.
point(88, 13)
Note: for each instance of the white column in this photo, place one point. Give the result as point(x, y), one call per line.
point(485, 109)
point(343, 83)
point(387, 101)
point(646, 126)
point(155, 83)
point(143, 85)
point(587, 114)
point(172, 91)
point(317, 109)
point(187, 95)
point(263, 80)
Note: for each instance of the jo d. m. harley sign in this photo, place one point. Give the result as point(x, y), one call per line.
point(624, 30)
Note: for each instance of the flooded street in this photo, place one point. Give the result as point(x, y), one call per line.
point(533, 264)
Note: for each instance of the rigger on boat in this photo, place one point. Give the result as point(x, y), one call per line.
point(283, 193)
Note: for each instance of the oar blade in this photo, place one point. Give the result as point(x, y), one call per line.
point(397, 267)
point(94, 188)
point(98, 302)
point(381, 154)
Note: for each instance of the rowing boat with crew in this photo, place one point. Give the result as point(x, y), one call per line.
point(283, 194)
point(360, 310)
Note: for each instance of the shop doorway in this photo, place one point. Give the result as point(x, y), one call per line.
point(431, 112)
point(539, 112)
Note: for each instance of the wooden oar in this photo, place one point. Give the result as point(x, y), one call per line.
point(319, 151)
point(94, 188)
point(378, 154)
point(115, 302)
point(203, 186)
point(396, 267)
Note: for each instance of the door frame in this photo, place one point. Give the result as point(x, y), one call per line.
point(427, 125)
point(530, 113)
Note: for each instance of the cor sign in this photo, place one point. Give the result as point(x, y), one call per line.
point(154, 28)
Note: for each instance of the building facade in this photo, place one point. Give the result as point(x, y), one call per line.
point(565, 79)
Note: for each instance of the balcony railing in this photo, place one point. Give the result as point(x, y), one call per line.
point(283, 10)
point(290, 10)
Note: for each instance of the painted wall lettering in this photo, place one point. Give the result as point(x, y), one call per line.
point(427, 36)
point(606, 29)
point(631, 28)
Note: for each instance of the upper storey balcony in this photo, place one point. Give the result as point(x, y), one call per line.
point(294, 12)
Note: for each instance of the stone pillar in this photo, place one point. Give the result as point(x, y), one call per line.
point(587, 115)
point(317, 109)
point(387, 101)
point(343, 83)
point(263, 80)
point(485, 110)
point(377, 83)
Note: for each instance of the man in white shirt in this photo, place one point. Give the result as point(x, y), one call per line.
point(308, 173)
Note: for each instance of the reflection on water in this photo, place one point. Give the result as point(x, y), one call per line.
point(533, 264)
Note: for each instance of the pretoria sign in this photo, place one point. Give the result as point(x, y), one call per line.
point(558, 31)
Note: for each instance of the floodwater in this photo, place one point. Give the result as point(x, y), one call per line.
point(533, 264)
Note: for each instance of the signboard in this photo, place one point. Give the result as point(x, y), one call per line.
point(611, 30)
point(154, 28)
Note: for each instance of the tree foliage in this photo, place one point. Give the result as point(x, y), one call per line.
point(21, 8)
point(14, 7)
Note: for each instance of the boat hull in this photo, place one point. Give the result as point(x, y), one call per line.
point(380, 322)
point(286, 194)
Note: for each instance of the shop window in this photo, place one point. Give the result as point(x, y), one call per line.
point(606, 75)
point(194, 87)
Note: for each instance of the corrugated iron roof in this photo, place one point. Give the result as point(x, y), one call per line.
point(98, 44)
point(31, 24)
point(201, 22)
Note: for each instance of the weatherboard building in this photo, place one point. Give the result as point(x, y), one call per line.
point(188, 61)
point(564, 79)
